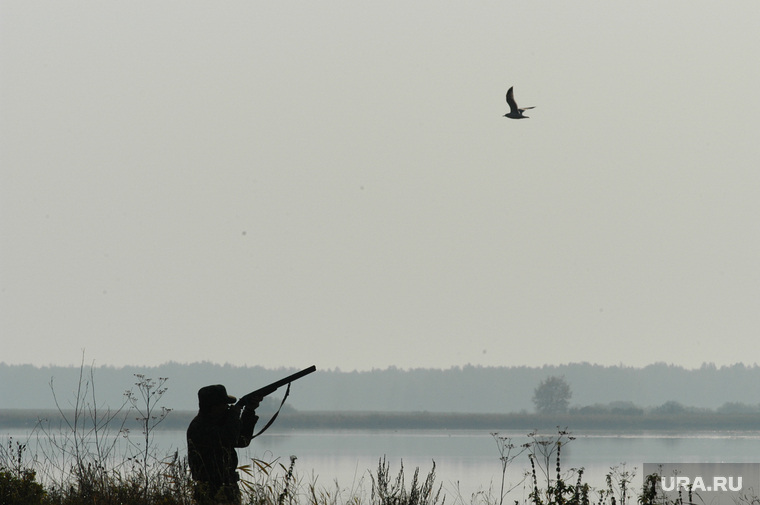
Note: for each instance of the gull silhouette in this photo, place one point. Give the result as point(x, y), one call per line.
point(514, 111)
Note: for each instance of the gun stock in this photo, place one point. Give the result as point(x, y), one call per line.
point(271, 388)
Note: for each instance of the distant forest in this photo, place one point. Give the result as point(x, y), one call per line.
point(468, 389)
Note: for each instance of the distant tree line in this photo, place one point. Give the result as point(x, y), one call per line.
point(552, 396)
point(468, 389)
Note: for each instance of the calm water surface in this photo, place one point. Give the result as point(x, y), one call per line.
point(471, 458)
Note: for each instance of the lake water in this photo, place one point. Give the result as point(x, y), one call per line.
point(468, 461)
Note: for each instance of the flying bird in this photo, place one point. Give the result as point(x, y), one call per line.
point(514, 111)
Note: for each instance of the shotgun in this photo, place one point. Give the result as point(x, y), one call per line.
point(271, 388)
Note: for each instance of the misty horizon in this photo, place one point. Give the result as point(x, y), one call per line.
point(475, 389)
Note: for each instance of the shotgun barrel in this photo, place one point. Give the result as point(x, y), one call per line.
point(271, 388)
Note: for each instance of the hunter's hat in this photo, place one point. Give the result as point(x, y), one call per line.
point(213, 395)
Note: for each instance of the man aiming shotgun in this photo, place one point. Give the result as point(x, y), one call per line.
point(224, 423)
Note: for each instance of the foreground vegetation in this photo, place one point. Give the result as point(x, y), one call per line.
point(89, 476)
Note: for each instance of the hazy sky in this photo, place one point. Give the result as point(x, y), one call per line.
point(287, 183)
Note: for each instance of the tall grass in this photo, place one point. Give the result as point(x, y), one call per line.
point(387, 490)
point(87, 455)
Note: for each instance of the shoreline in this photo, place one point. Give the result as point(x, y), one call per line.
point(323, 420)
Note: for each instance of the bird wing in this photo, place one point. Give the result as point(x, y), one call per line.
point(511, 101)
